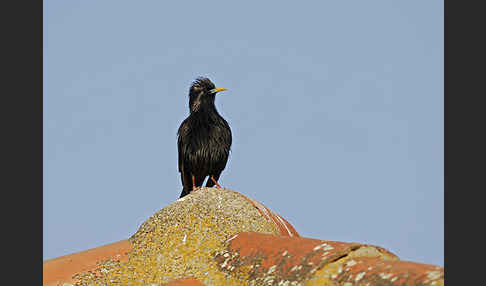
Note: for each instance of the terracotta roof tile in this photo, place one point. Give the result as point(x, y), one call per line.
point(221, 237)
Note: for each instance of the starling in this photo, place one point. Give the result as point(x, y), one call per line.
point(204, 139)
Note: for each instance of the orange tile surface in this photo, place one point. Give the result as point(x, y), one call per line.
point(61, 269)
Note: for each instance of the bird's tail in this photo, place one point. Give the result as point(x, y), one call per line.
point(185, 191)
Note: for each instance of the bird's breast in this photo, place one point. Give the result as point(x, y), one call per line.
point(206, 145)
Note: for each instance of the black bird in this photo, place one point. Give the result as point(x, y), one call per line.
point(204, 139)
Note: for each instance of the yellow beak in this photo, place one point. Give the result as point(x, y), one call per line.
point(217, 89)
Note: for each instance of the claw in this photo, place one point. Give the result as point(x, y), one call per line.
point(216, 182)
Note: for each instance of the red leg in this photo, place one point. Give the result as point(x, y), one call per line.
point(216, 182)
point(194, 184)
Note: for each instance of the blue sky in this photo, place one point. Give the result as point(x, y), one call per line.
point(336, 109)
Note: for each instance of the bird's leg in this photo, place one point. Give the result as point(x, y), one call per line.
point(193, 183)
point(216, 182)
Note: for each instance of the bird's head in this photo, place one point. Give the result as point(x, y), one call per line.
point(202, 94)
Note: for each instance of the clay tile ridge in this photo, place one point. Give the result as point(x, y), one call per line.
point(273, 253)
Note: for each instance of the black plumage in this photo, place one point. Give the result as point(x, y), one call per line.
point(204, 139)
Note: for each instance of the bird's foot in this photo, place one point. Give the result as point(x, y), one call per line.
point(215, 182)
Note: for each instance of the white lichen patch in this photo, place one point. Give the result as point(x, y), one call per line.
point(272, 269)
point(434, 275)
point(359, 276)
point(225, 263)
point(350, 263)
point(231, 238)
point(385, 275)
point(324, 247)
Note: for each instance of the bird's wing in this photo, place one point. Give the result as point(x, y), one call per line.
point(186, 178)
point(224, 141)
point(181, 132)
point(179, 150)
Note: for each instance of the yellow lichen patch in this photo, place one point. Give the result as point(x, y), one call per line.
point(181, 240)
point(327, 274)
point(323, 277)
point(371, 251)
point(368, 265)
point(437, 283)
